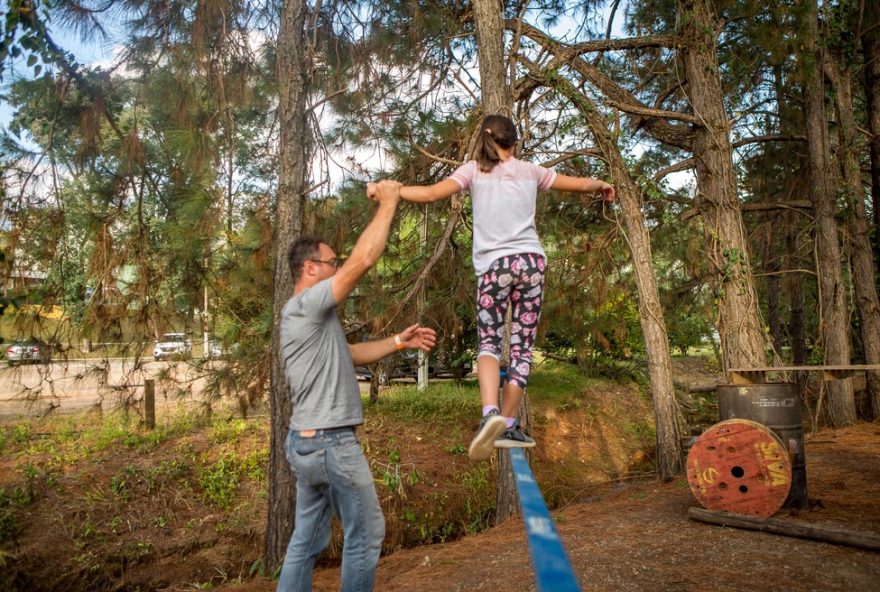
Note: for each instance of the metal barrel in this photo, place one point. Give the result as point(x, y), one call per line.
point(777, 406)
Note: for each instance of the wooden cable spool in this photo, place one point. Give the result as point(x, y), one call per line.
point(739, 466)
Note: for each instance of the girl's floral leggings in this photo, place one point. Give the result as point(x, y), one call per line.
point(518, 281)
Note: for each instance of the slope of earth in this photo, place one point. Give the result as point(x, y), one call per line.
point(636, 536)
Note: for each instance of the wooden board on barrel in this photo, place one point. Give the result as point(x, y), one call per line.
point(739, 466)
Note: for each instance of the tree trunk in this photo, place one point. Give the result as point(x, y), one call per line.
point(774, 318)
point(871, 50)
point(833, 314)
point(795, 285)
point(506, 498)
point(490, 51)
point(742, 338)
point(666, 411)
point(293, 77)
point(794, 280)
point(496, 100)
point(862, 260)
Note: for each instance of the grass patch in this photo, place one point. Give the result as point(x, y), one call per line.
point(447, 400)
point(558, 384)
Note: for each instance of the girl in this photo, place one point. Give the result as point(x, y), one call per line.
point(509, 263)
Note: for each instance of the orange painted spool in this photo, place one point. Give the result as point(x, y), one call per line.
point(739, 466)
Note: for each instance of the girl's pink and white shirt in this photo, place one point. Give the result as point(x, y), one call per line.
point(504, 208)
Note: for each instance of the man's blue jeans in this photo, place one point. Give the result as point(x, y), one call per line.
point(332, 476)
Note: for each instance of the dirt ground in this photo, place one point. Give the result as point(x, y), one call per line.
point(135, 514)
point(637, 536)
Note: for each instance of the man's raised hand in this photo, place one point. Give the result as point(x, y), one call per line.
point(416, 337)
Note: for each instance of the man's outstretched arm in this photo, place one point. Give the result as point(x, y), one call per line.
point(413, 337)
point(370, 244)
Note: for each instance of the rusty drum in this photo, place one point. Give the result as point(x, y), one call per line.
point(777, 406)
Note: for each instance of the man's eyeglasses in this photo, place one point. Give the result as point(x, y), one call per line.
point(335, 262)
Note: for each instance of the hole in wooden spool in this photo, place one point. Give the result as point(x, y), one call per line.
point(743, 489)
point(737, 472)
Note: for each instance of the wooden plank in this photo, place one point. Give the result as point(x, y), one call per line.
point(743, 377)
point(832, 367)
point(752, 375)
point(816, 532)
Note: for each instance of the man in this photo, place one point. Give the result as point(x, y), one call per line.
point(332, 473)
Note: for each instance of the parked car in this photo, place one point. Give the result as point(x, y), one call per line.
point(406, 365)
point(218, 350)
point(172, 345)
point(28, 351)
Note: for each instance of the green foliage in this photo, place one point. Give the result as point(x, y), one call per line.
point(219, 480)
point(688, 331)
point(557, 383)
point(10, 527)
point(442, 399)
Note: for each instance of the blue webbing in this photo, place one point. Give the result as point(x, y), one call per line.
point(553, 571)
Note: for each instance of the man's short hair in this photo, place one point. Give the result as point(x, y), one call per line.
point(301, 250)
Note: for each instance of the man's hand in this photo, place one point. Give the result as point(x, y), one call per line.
point(384, 190)
point(416, 337)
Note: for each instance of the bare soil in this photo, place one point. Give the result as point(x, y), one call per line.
point(636, 536)
point(136, 514)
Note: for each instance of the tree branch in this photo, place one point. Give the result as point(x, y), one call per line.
point(799, 204)
point(657, 127)
point(648, 112)
point(687, 163)
point(769, 138)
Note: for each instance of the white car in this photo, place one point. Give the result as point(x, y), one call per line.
point(28, 351)
point(172, 345)
point(217, 350)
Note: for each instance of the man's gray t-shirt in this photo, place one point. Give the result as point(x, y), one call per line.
point(317, 362)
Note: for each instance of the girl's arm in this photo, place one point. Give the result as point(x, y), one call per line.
point(429, 193)
point(579, 184)
point(423, 193)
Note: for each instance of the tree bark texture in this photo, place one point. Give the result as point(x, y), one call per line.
point(293, 76)
point(833, 314)
point(871, 50)
point(861, 256)
point(496, 99)
point(490, 50)
point(795, 288)
point(739, 324)
point(506, 497)
point(666, 411)
point(791, 220)
point(774, 319)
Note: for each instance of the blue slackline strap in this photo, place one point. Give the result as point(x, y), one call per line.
point(553, 571)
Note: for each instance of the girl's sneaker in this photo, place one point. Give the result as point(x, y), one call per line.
point(514, 438)
point(485, 441)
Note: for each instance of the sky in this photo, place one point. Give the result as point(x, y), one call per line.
point(85, 53)
point(94, 53)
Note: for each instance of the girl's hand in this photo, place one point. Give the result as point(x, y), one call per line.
point(607, 191)
point(374, 190)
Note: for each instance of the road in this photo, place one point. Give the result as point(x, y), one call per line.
point(81, 385)
point(78, 385)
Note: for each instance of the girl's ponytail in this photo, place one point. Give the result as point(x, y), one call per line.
point(495, 131)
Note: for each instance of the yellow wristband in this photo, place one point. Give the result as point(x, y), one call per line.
point(398, 343)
